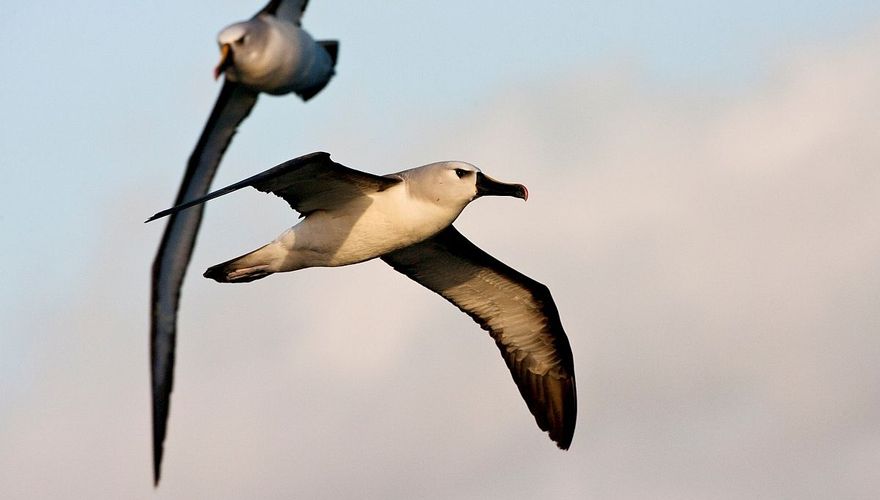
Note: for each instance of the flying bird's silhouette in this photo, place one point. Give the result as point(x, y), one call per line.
point(406, 220)
point(268, 53)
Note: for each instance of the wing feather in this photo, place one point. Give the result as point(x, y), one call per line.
point(517, 311)
point(287, 10)
point(308, 183)
point(172, 259)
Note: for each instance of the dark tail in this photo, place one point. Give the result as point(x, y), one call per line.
point(248, 267)
point(332, 48)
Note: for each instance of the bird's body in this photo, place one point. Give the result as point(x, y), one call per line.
point(406, 220)
point(362, 229)
point(275, 56)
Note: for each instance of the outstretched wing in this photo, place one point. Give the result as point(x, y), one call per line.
point(517, 311)
point(232, 107)
point(308, 183)
point(287, 10)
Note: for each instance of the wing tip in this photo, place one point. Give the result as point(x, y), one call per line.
point(563, 442)
point(157, 215)
point(556, 414)
point(158, 452)
point(158, 448)
point(565, 428)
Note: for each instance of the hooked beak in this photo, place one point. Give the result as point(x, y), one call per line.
point(487, 186)
point(225, 60)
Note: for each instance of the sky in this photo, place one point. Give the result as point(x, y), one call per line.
point(703, 205)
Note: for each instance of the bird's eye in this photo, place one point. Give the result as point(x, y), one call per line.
point(460, 172)
point(241, 40)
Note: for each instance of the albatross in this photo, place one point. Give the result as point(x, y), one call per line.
point(405, 219)
point(268, 53)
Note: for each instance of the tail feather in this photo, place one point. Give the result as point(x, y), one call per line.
point(246, 268)
point(332, 48)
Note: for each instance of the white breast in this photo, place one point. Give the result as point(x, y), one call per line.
point(385, 221)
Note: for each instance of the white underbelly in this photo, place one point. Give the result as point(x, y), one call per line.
point(336, 238)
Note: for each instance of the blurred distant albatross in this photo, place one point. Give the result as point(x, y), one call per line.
point(406, 220)
point(267, 53)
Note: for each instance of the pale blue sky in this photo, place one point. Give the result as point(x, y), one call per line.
point(100, 92)
point(103, 102)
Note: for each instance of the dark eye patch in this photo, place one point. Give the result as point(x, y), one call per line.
point(460, 172)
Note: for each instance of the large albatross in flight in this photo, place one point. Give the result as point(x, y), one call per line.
point(268, 53)
point(405, 219)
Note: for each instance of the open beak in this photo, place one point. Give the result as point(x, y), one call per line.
point(225, 60)
point(487, 186)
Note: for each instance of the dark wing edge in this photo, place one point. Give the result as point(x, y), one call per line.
point(287, 181)
point(252, 181)
point(175, 250)
point(314, 182)
point(290, 10)
point(447, 260)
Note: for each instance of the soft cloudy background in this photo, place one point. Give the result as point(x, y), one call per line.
point(704, 205)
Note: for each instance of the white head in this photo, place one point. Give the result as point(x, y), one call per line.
point(241, 45)
point(454, 184)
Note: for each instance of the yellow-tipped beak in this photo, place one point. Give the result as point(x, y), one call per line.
point(225, 60)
